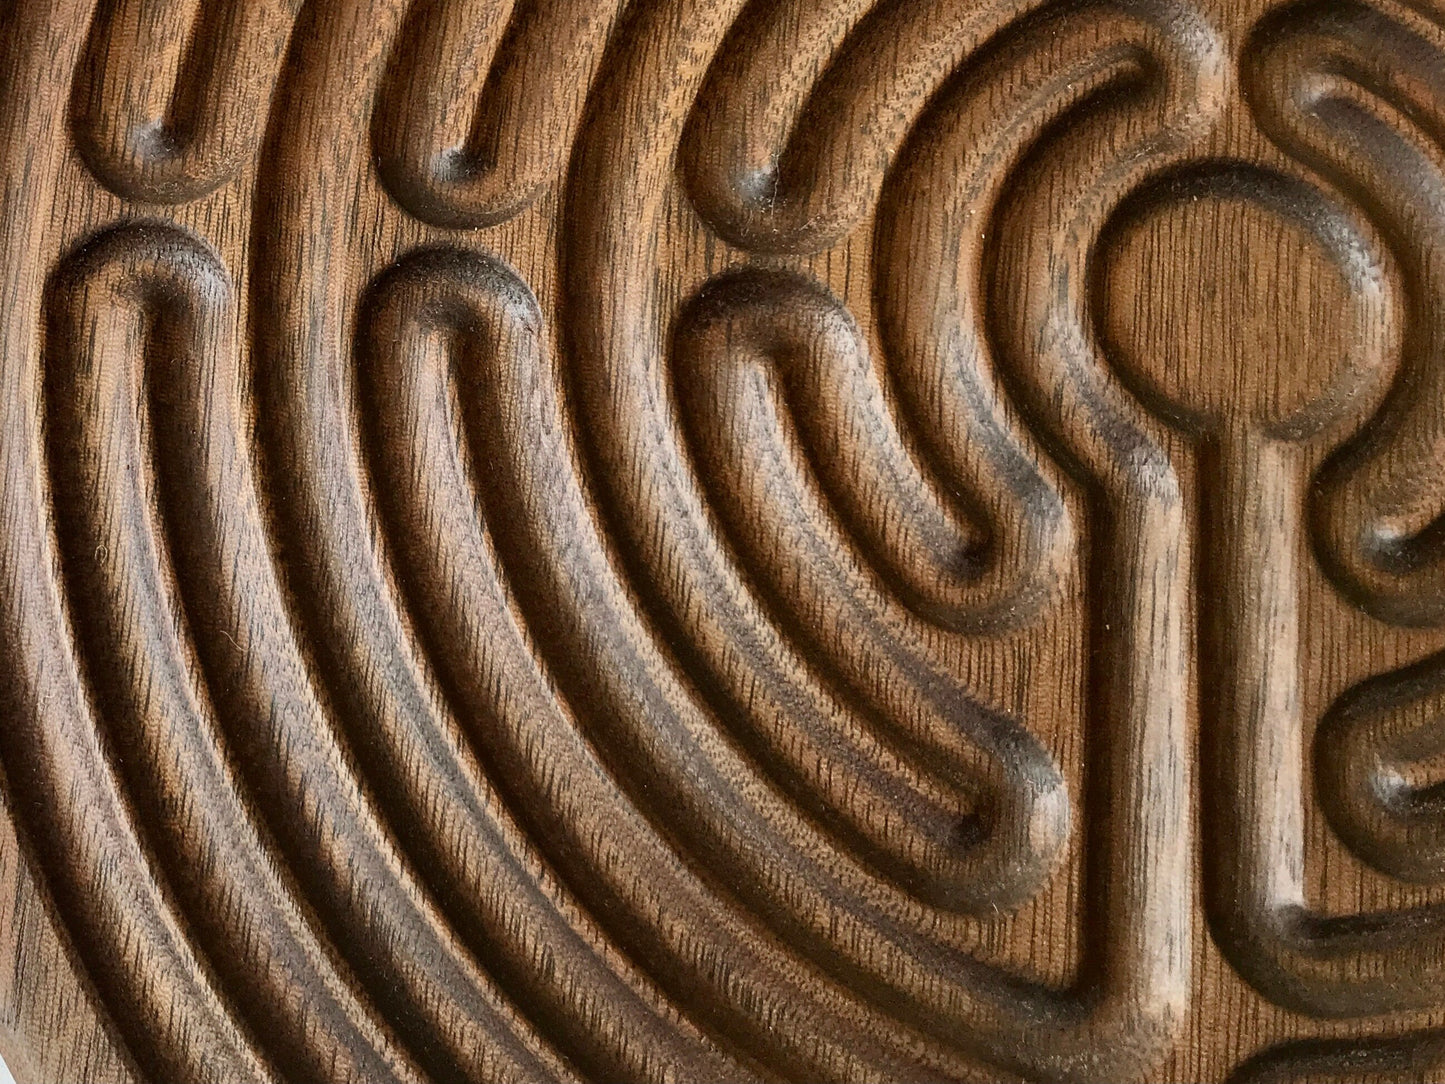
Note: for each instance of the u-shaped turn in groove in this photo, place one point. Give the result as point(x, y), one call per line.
point(171, 96)
point(481, 102)
point(152, 293)
point(607, 662)
point(1358, 94)
point(70, 804)
point(1377, 758)
point(1313, 82)
point(793, 440)
point(777, 160)
point(717, 959)
point(1134, 987)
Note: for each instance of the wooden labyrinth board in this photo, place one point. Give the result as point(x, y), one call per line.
point(722, 540)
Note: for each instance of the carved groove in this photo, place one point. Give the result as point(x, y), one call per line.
point(1323, 91)
point(1080, 1033)
point(221, 864)
point(478, 109)
point(1330, 965)
point(830, 592)
point(775, 163)
point(1402, 1060)
point(123, 925)
point(1377, 771)
point(1014, 824)
point(170, 98)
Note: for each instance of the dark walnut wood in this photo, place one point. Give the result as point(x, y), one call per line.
point(721, 540)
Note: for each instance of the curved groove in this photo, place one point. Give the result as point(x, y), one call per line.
point(480, 308)
point(1130, 1001)
point(488, 879)
point(928, 265)
point(1359, 95)
point(1398, 1059)
point(407, 742)
point(1253, 737)
point(67, 797)
point(776, 160)
point(662, 743)
point(571, 709)
point(707, 952)
point(481, 102)
point(1138, 872)
point(1253, 733)
point(39, 943)
point(188, 120)
point(759, 675)
point(167, 739)
point(1347, 965)
point(398, 944)
point(739, 331)
point(1377, 771)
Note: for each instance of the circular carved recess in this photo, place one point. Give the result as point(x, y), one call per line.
point(1280, 344)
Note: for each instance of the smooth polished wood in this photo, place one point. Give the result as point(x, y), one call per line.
point(720, 540)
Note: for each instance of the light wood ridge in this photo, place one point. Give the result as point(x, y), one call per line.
point(760, 540)
point(170, 99)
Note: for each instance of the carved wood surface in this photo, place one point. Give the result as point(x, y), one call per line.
point(701, 540)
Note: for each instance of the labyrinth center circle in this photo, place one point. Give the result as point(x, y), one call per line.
point(1221, 304)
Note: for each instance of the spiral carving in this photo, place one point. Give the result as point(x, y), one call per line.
point(726, 539)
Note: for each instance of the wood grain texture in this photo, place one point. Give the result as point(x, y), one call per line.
point(722, 540)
